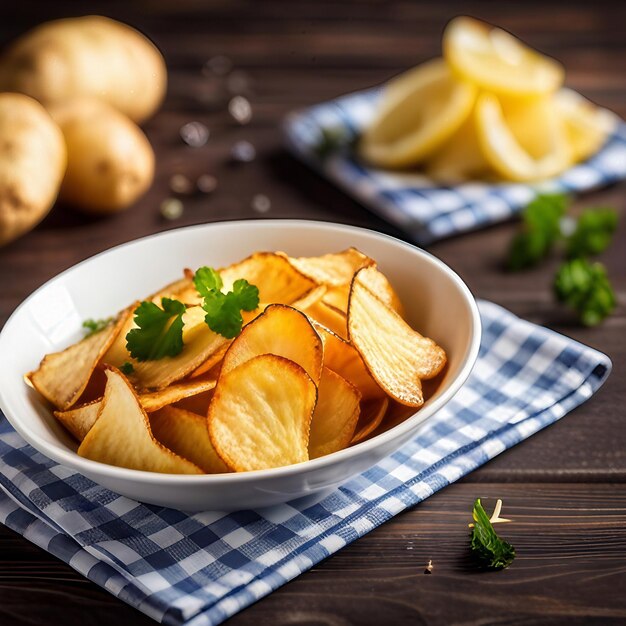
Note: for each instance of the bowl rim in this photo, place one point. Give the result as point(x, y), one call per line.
point(89, 467)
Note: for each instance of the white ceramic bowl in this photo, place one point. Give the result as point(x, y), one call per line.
point(437, 303)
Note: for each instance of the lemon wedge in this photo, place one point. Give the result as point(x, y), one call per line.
point(419, 111)
point(587, 125)
point(497, 61)
point(522, 141)
point(460, 158)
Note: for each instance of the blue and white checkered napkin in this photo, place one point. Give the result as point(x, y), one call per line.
point(200, 569)
point(425, 210)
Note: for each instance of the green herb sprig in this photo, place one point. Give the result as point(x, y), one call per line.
point(159, 331)
point(92, 326)
point(223, 310)
point(488, 550)
point(582, 285)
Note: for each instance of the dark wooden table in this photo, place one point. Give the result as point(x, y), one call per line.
point(565, 487)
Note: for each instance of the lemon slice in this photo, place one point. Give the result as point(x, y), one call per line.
point(522, 142)
point(496, 61)
point(460, 158)
point(419, 111)
point(587, 125)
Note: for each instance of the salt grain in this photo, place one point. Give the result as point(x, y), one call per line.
point(194, 134)
point(261, 203)
point(243, 152)
point(206, 183)
point(179, 183)
point(171, 208)
point(240, 109)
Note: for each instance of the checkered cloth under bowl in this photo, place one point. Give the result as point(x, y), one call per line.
point(423, 209)
point(200, 569)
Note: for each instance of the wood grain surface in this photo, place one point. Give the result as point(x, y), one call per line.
point(565, 488)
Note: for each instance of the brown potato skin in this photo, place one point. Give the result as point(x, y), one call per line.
point(110, 162)
point(87, 56)
point(32, 164)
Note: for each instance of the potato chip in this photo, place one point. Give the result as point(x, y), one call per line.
point(331, 269)
point(344, 359)
point(79, 420)
point(337, 297)
point(261, 413)
point(187, 434)
point(328, 316)
point(280, 330)
point(335, 416)
point(155, 400)
point(378, 284)
point(396, 355)
point(309, 298)
point(121, 434)
point(372, 414)
point(63, 376)
point(277, 280)
point(200, 342)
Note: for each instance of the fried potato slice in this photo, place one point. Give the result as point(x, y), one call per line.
point(261, 413)
point(122, 436)
point(372, 414)
point(187, 434)
point(155, 400)
point(276, 279)
point(337, 297)
point(344, 359)
point(200, 342)
point(335, 416)
point(396, 355)
point(79, 420)
point(63, 376)
point(328, 316)
point(283, 331)
point(380, 286)
point(331, 269)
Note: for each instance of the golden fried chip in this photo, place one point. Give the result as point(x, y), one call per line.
point(378, 284)
point(277, 280)
point(261, 413)
point(328, 316)
point(187, 434)
point(344, 359)
point(63, 376)
point(80, 419)
point(331, 269)
point(280, 330)
point(309, 298)
point(396, 355)
point(200, 342)
point(335, 417)
point(155, 400)
point(121, 435)
point(372, 414)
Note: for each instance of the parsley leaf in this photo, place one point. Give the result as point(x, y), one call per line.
point(127, 368)
point(223, 310)
point(331, 140)
point(585, 287)
point(160, 330)
point(593, 234)
point(95, 326)
point(540, 230)
point(489, 551)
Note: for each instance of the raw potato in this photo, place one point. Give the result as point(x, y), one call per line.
point(87, 56)
point(110, 162)
point(32, 164)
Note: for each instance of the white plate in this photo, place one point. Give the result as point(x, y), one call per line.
point(437, 303)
